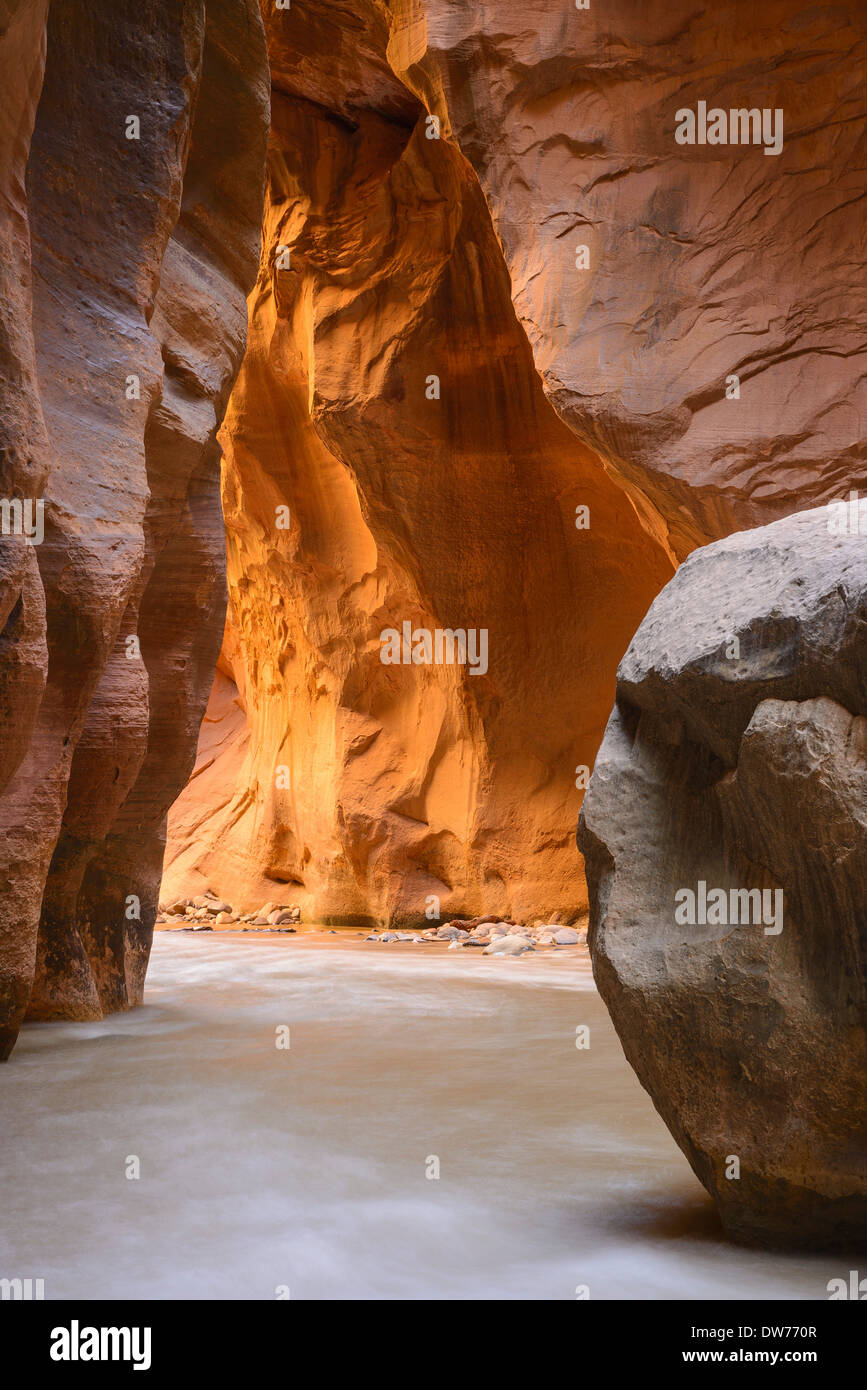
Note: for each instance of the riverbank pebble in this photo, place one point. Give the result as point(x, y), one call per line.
point(207, 908)
point(494, 936)
point(491, 934)
point(509, 946)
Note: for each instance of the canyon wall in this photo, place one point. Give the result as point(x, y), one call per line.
point(135, 171)
point(514, 351)
point(391, 458)
point(705, 261)
point(671, 335)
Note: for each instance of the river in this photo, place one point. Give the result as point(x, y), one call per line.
point(306, 1168)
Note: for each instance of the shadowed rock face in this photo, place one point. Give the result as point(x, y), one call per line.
point(705, 260)
point(142, 251)
point(374, 788)
point(736, 758)
point(24, 457)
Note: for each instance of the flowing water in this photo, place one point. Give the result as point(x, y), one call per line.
point(266, 1168)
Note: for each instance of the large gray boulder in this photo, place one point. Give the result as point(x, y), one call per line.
point(725, 837)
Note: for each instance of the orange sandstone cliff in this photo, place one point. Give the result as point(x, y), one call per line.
point(514, 351)
point(495, 289)
point(390, 457)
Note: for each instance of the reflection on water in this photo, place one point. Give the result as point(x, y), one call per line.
point(263, 1167)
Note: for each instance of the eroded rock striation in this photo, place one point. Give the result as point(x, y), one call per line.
point(725, 840)
point(514, 351)
point(672, 334)
point(701, 262)
point(141, 215)
point(391, 458)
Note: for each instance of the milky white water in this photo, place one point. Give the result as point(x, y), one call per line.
point(306, 1167)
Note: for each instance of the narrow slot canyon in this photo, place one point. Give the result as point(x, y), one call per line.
point(417, 452)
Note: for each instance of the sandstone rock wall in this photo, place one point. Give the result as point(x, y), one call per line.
point(705, 260)
point(358, 495)
point(370, 790)
point(376, 791)
point(24, 456)
point(142, 250)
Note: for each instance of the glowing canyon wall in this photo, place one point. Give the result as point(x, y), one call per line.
point(495, 296)
point(371, 789)
point(669, 335)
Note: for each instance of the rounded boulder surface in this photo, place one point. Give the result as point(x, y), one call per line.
point(725, 839)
